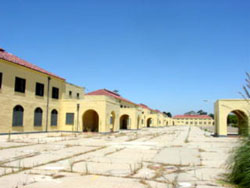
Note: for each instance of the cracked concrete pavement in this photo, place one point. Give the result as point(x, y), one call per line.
point(168, 157)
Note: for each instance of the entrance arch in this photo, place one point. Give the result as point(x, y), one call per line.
point(224, 108)
point(124, 121)
point(90, 121)
point(237, 122)
point(149, 122)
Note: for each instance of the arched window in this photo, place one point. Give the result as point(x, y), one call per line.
point(38, 116)
point(53, 119)
point(17, 116)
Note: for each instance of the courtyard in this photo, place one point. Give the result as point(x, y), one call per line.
point(176, 156)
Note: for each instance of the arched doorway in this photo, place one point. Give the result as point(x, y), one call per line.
point(124, 121)
point(149, 122)
point(237, 123)
point(112, 121)
point(90, 121)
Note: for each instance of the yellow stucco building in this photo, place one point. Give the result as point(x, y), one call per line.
point(193, 120)
point(240, 107)
point(35, 100)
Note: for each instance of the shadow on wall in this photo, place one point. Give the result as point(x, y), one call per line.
point(90, 121)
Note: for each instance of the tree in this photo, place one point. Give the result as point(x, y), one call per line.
point(232, 120)
point(168, 114)
point(211, 115)
point(246, 88)
point(201, 112)
point(191, 113)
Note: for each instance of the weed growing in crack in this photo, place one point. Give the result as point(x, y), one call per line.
point(86, 169)
point(71, 165)
point(9, 137)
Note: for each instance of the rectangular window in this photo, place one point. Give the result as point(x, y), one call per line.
point(78, 95)
point(69, 118)
point(39, 89)
point(1, 77)
point(55, 93)
point(20, 85)
point(70, 93)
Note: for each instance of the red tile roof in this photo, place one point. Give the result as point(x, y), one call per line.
point(14, 59)
point(111, 94)
point(193, 116)
point(145, 106)
point(158, 111)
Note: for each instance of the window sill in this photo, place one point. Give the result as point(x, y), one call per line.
point(19, 94)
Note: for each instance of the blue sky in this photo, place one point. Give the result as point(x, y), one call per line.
point(170, 55)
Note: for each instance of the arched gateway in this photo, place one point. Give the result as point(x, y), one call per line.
point(224, 108)
point(149, 122)
point(90, 121)
point(124, 121)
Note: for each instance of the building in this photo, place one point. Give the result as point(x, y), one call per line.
point(196, 120)
point(239, 107)
point(35, 100)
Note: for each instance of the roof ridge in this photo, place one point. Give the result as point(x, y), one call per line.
point(112, 92)
point(19, 61)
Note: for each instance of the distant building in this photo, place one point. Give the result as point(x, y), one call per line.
point(196, 120)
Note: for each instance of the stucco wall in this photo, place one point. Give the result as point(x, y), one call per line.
point(222, 108)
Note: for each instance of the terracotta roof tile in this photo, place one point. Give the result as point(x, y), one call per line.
point(14, 59)
point(111, 94)
point(145, 106)
point(193, 116)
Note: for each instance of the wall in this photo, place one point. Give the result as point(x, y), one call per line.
point(28, 100)
point(223, 108)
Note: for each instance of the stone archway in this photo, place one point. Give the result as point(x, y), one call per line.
point(124, 121)
point(240, 107)
point(240, 123)
point(90, 121)
point(149, 122)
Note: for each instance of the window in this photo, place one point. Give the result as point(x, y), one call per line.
point(69, 118)
point(1, 76)
point(38, 116)
point(78, 95)
point(17, 116)
point(20, 85)
point(39, 89)
point(53, 120)
point(55, 93)
point(70, 93)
